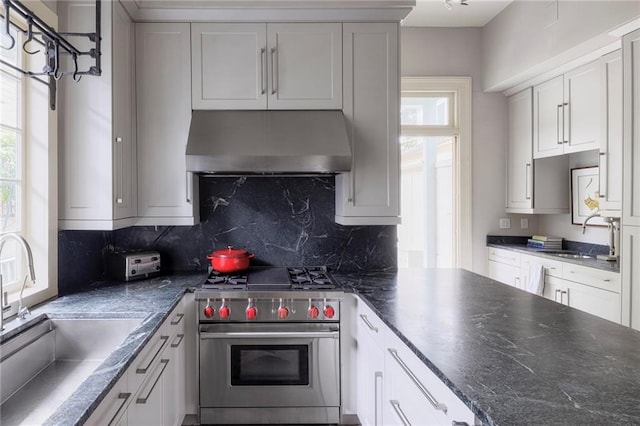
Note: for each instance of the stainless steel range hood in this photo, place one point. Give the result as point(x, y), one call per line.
point(239, 142)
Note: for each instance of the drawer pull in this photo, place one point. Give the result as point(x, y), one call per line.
point(606, 280)
point(457, 423)
point(368, 323)
point(143, 370)
point(403, 417)
point(179, 339)
point(120, 412)
point(144, 399)
point(425, 392)
point(177, 319)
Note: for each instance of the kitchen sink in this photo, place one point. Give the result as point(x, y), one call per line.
point(574, 256)
point(43, 365)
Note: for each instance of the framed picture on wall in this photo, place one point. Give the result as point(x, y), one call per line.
point(585, 196)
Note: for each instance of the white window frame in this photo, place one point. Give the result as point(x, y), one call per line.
point(39, 212)
point(460, 88)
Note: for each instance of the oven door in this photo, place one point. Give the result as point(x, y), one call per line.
point(269, 365)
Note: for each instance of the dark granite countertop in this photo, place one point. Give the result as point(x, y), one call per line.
point(511, 356)
point(151, 299)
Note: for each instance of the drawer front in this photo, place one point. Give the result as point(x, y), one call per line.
point(552, 267)
point(591, 276)
point(369, 324)
point(507, 257)
point(505, 274)
point(417, 394)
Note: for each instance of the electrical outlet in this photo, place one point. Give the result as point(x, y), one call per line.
point(505, 223)
point(524, 223)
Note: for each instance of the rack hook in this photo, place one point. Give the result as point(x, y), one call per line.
point(29, 37)
point(76, 77)
point(56, 61)
point(7, 25)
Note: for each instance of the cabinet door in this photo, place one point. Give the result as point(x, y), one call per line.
point(370, 193)
point(305, 66)
point(124, 134)
point(602, 303)
point(611, 140)
point(166, 192)
point(113, 408)
point(86, 163)
point(229, 65)
point(147, 405)
point(547, 118)
point(370, 367)
point(174, 386)
point(553, 289)
point(630, 263)
point(582, 108)
point(631, 99)
point(519, 148)
point(505, 274)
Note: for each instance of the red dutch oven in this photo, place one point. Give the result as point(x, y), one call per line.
point(230, 259)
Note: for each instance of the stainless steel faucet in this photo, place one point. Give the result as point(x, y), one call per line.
point(584, 225)
point(32, 274)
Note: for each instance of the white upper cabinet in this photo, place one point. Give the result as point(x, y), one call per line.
point(567, 112)
point(519, 151)
point(167, 194)
point(98, 149)
point(610, 160)
point(370, 193)
point(533, 186)
point(631, 84)
point(274, 65)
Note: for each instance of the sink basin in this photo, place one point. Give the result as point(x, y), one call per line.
point(42, 366)
point(574, 256)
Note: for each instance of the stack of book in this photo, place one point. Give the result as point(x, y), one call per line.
point(545, 242)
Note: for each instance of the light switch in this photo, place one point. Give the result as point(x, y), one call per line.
point(524, 223)
point(505, 223)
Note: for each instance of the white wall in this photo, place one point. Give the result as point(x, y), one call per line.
point(430, 52)
point(529, 38)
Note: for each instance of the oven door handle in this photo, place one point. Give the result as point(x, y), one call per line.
point(270, 335)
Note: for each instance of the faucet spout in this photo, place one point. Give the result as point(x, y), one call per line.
point(584, 224)
point(32, 273)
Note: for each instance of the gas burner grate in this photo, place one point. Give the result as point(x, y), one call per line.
point(310, 278)
point(221, 281)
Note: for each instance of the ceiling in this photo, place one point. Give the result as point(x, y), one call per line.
point(433, 13)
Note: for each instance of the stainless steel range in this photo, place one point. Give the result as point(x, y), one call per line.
point(269, 347)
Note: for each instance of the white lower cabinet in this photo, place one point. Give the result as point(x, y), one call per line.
point(630, 262)
point(153, 390)
point(504, 266)
point(370, 366)
point(394, 387)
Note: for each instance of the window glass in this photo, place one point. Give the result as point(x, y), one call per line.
point(427, 110)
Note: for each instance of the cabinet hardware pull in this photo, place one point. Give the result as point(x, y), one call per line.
point(177, 319)
point(188, 187)
point(559, 128)
point(566, 128)
point(606, 280)
point(119, 198)
point(179, 337)
point(527, 171)
point(368, 323)
point(262, 53)
point(457, 423)
point(143, 370)
point(414, 379)
point(144, 399)
point(603, 174)
point(555, 296)
point(124, 397)
point(377, 375)
point(403, 417)
point(567, 293)
point(273, 84)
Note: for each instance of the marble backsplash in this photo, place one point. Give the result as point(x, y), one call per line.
point(283, 220)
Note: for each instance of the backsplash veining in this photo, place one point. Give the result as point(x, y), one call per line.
point(284, 221)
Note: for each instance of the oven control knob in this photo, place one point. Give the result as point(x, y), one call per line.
point(251, 312)
point(283, 312)
point(224, 312)
point(329, 312)
point(209, 311)
point(313, 312)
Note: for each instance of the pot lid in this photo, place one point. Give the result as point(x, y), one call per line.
point(231, 252)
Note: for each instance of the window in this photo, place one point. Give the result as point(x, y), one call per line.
point(11, 163)
point(28, 171)
point(435, 176)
